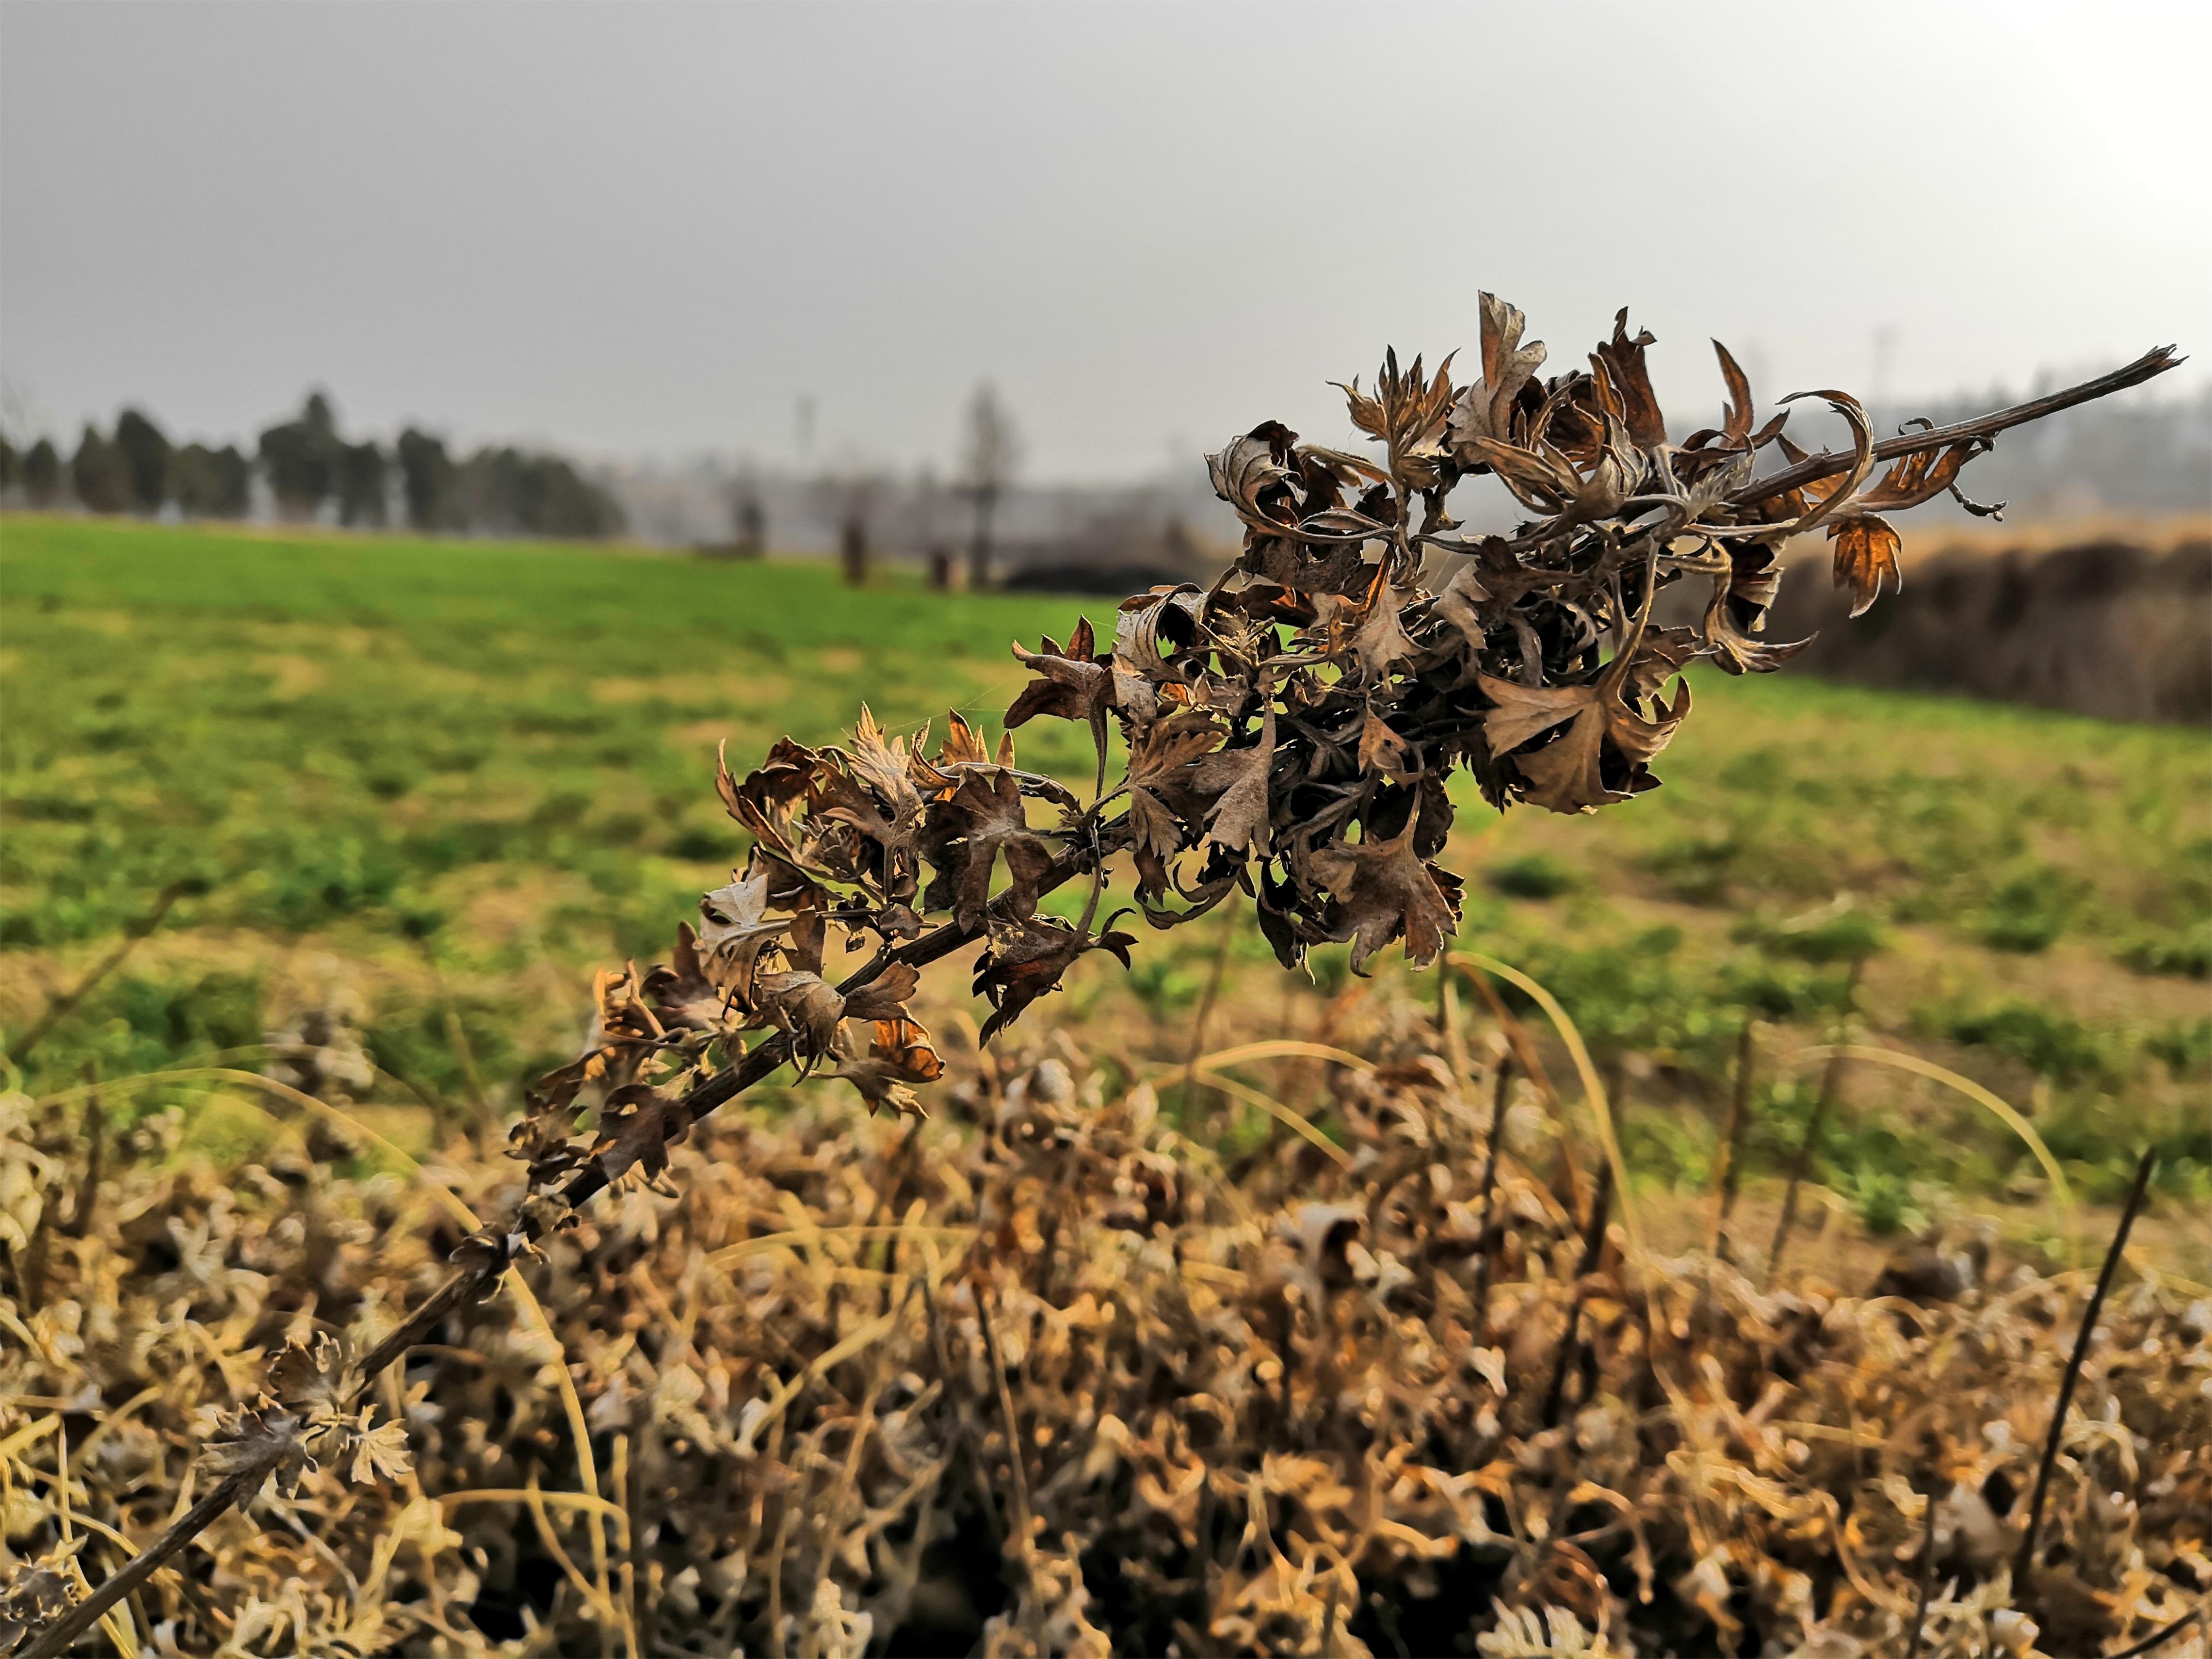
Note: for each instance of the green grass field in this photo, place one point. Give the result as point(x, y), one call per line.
point(441, 783)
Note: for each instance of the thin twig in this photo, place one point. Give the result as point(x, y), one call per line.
point(1448, 1028)
point(94, 1135)
point(1729, 1174)
point(2163, 1634)
point(1486, 1197)
point(20, 1050)
point(486, 1120)
point(1593, 1251)
point(961, 1424)
point(1205, 1004)
point(1831, 1079)
point(1801, 1162)
point(1827, 465)
point(1525, 1050)
point(1727, 1161)
point(1927, 1578)
point(645, 1602)
point(2026, 1559)
point(58, 1637)
point(1025, 1540)
point(783, 1520)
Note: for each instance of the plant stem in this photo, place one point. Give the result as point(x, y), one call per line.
point(1488, 1197)
point(2026, 1559)
point(486, 1122)
point(1525, 1051)
point(2162, 1635)
point(1831, 1077)
point(1799, 1163)
point(1024, 1538)
point(1448, 1028)
point(57, 1638)
point(94, 1135)
point(1206, 1008)
point(1593, 1251)
point(1730, 1161)
point(1813, 468)
point(961, 1426)
point(20, 1050)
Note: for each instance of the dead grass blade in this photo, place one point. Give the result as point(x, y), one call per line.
point(1593, 1085)
point(1289, 1120)
point(2061, 1188)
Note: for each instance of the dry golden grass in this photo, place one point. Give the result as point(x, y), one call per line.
point(1266, 1398)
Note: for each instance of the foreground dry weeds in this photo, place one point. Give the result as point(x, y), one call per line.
point(1307, 1404)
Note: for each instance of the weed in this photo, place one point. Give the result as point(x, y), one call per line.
point(2051, 1044)
point(2185, 1047)
point(2184, 952)
point(2028, 912)
point(1837, 933)
point(1532, 875)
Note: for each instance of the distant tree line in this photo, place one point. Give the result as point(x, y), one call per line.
point(310, 469)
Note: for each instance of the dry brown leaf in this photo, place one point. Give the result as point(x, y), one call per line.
point(1567, 774)
point(1026, 960)
point(1384, 890)
point(1237, 777)
point(900, 1057)
point(637, 1125)
point(1074, 684)
point(736, 928)
point(1484, 410)
point(1866, 549)
point(968, 834)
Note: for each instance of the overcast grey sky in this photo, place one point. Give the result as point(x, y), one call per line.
point(639, 228)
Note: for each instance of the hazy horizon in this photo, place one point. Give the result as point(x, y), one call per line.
point(648, 231)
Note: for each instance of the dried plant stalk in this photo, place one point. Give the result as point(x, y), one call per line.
point(1571, 1340)
point(2024, 1563)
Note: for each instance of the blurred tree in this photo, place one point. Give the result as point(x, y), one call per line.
point(849, 496)
point(513, 492)
point(361, 485)
point(749, 518)
point(211, 484)
point(11, 466)
point(42, 473)
point(429, 480)
point(145, 450)
point(929, 500)
point(989, 456)
point(300, 458)
point(98, 474)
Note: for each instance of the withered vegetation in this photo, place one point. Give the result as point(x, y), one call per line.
point(1056, 1383)
point(1300, 1411)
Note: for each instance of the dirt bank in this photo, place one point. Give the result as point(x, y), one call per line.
point(2105, 627)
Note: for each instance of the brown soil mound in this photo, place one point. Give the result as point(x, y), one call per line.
point(2109, 629)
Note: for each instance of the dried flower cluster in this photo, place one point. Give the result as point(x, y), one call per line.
point(1287, 733)
point(1347, 1405)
